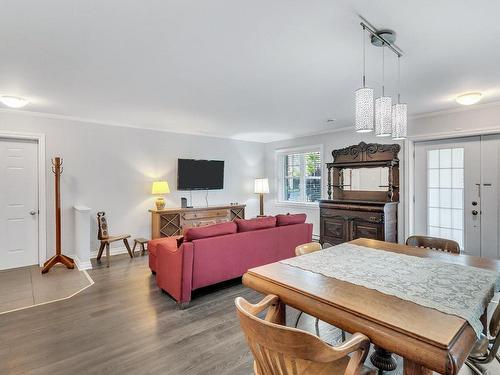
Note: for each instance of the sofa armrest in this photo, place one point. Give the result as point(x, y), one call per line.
point(174, 272)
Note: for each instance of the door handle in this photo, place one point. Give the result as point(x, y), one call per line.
point(32, 213)
point(474, 212)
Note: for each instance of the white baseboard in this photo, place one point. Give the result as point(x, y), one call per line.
point(82, 265)
point(112, 251)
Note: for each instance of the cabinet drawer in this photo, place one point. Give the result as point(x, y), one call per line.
point(365, 229)
point(205, 214)
point(374, 217)
point(334, 228)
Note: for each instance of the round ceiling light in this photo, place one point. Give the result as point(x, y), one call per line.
point(13, 101)
point(469, 98)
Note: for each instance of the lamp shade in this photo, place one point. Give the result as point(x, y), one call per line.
point(364, 110)
point(261, 186)
point(160, 187)
point(399, 121)
point(383, 116)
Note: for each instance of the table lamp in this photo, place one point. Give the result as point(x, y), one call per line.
point(160, 188)
point(261, 188)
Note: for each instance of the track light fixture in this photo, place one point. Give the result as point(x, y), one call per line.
point(386, 118)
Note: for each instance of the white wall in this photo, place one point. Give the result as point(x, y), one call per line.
point(111, 169)
point(480, 119)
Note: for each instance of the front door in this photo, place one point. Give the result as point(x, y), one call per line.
point(18, 203)
point(448, 191)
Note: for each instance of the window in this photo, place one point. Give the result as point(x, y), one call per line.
point(300, 175)
point(445, 194)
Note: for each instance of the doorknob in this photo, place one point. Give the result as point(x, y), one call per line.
point(32, 213)
point(474, 212)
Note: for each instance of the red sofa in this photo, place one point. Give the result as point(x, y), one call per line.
point(220, 252)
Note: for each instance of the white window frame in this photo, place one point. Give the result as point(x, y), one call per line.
point(279, 173)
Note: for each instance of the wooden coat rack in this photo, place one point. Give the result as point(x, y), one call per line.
point(58, 258)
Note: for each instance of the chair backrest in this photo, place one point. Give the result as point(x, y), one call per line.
point(102, 226)
point(278, 349)
point(307, 248)
point(434, 243)
point(495, 322)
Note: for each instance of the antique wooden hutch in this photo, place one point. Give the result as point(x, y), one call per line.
point(363, 194)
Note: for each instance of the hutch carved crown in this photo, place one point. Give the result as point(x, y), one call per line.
point(363, 194)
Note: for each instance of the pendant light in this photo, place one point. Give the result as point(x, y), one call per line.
point(364, 101)
point(399, 114)
point(383, 108)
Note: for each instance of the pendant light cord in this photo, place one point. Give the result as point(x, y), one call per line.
point(364, 57)
point(383, 69)
point(399, 78)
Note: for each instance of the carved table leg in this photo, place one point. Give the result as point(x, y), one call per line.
point(383, 360)
point(411, 368)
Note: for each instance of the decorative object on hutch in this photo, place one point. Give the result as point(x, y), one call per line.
point(57, 169)
point(389, 119)
point(363, 194)
point(172, 221)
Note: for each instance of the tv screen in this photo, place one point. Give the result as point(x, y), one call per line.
point(200, 174)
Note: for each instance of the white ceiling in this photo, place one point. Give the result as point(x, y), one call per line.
point(253, 70)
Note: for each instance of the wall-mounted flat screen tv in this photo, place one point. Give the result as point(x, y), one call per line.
point(200, 174)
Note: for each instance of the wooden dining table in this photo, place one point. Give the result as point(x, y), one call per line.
point(427, 339)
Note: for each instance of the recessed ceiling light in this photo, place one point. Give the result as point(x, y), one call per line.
point(13, 101)
point(469, 98)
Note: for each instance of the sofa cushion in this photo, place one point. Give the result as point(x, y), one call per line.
point(210, 231)
point(255, 224)
point(290, 219)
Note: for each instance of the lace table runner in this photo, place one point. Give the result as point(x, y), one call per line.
point(450, 288)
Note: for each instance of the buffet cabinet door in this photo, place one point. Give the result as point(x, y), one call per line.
point(334, 230)
point(366, 229)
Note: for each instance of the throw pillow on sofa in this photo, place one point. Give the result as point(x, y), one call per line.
point(256, 224)
point(290, 219)
point(210, 231)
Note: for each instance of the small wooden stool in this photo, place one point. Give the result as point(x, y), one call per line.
point(141, 241)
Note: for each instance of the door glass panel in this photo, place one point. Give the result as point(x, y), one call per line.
point(445, 194)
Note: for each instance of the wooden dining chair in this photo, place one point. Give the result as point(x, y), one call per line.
point(308, 248)
point(434, 243)
point(278, 349)
point(105, 239)
point(486, 348)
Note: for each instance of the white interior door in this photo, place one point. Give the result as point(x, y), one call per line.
point(490, 195)
point(447, 191)
point(18, 203)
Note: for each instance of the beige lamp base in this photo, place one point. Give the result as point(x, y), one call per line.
point(160, 203)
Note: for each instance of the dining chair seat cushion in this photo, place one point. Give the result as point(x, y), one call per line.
point(290, 219)
point(480, 348)
point(255, 224)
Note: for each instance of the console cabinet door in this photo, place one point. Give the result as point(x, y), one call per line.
point(366, 229)
point(334, 230)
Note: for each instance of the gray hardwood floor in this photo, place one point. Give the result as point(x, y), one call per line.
point(124, 324)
